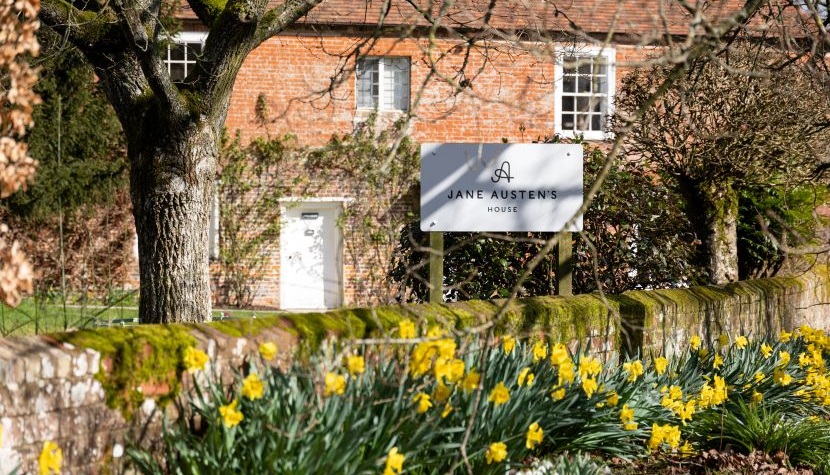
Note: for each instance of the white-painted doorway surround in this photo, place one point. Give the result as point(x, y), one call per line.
point(311, 254)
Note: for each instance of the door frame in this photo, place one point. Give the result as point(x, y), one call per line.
point(336, 204)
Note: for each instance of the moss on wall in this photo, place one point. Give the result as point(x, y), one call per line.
point(135, 357)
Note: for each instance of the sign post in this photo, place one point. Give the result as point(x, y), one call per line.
point(565, 264)
point(436, 267)
point(501, 188)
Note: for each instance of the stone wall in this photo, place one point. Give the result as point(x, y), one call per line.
point(95, 391)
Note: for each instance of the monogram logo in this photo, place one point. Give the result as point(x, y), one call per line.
point(503, 172)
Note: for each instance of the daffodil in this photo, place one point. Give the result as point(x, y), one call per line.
point(717, 361)
point(355, 364)
point(567, 373)
point(50, 459)
point(499, 395)
point(231, 416)
point(784, 358)
point(446, 412)
point(660, 364)
point(613, 398)
point(741, 342)
point(782, 377)
point(441, 393)
point(757, 397)
point(766, 350)
point(534, 436)
point(252, 387)
point(268, 350)
point(525, 377)
point(723, 339)
point(559, 355)
point(589, 367)
point(540, 351)
point(335, 384)
point(694, 342)
point(558, 394)
point(784, 336)
point(634, 369)
point(626, 414)
point(508, 343)
point(406, 330)
point(423, 402)
point(660, 434)
point(195, 359)
point(589, 385)
point(471, 381)
point(496, 452)
point(394, 462)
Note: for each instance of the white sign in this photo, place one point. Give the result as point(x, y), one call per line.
point(500, 187)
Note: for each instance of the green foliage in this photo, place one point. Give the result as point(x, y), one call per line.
point(579, 464)
point(635, 236)
point(786, 213)
point(306, 422)
point(92, 163)
point(250, 184)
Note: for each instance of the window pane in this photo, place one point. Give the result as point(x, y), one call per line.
point(585, 66)
point(584, 84)
point(569, 84)
point(582, 104)
point(596, 122)
point(583, 121)
point(600, 83)
point(177, 72)
point(567, 103)
point(193, 50)
point(598, 103)
point(177, 52)
point(568, 122)
point(367, 82)
point(569, 65)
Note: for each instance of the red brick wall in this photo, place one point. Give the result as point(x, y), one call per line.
point(309, 86)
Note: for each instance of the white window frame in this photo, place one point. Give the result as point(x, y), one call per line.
point(382, 64)
point(184, 38)
point(609, 55)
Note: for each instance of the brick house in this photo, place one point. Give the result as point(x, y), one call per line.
point(559, 79)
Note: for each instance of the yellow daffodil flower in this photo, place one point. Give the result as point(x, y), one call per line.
point(723, 340)
point(613, 398)
point(558, 394)
point(394, 461)
point(423, 402)
point(471, 381)
point(50, 459)
point(540, 351)
point(230, 415)
point(741, 342)
point(757, 397)
point(784, 336)
point(499, 395)
point(559, 355)
point(589, 367)
point(441, 393)
point(355, 364)
point(694, 342)
point(195, 359)
point(567, 373)
point(717, 361)
point(508, 343)
point(590, 386)
point(446, 412)
point(496, 452)
point(268, 350)
point(660, 364)
point(534, 436)
point(766, 350)
point(335, 384)
point(525, 377)
point(634, 369)
point(406, 330)
point(252, 387)
point(784, 358)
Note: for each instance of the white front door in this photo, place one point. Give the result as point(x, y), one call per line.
point(310, 256)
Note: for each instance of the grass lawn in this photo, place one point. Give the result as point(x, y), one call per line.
point(37, 315)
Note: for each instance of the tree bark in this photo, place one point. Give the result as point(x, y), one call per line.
point(712, 208)
point(171, 183)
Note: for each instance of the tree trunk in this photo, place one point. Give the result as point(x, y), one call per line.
point(171, 181)
point(712, 208)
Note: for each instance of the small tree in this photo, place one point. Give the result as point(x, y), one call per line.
point(18, 21)
point(748, 117)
